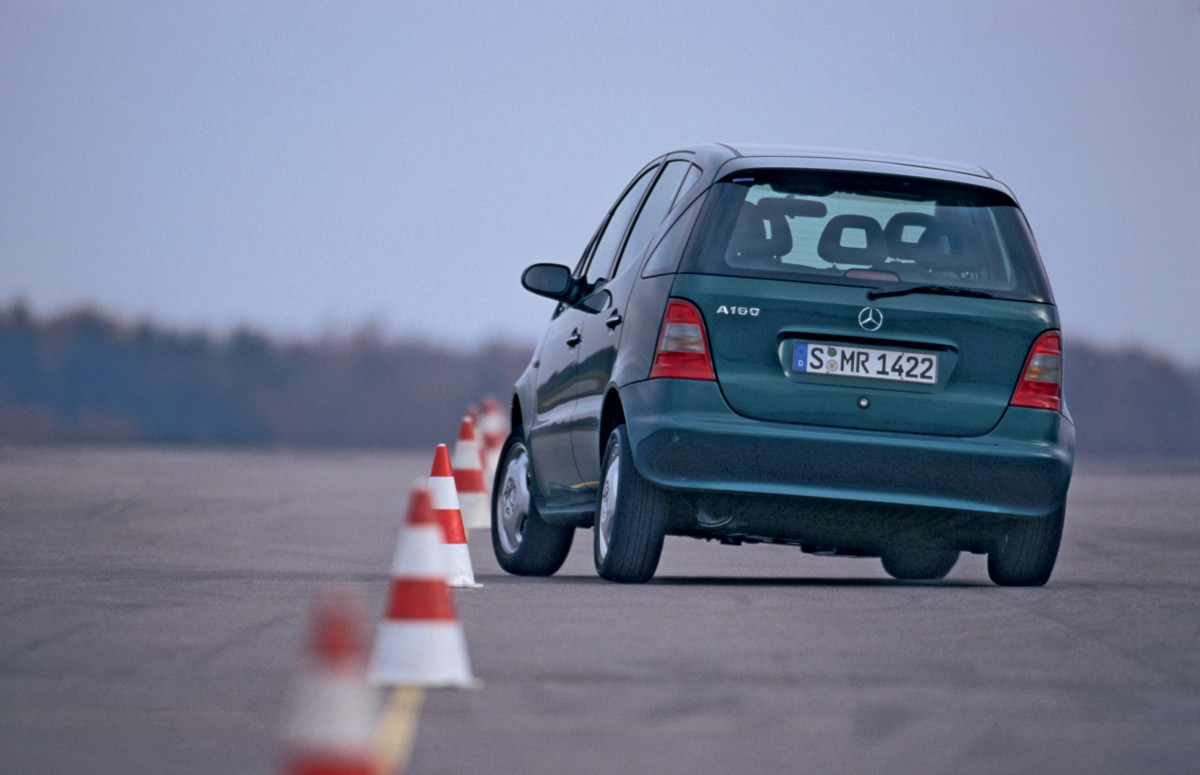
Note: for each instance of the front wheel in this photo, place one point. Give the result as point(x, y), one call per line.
point(631, 517)
point(524, 543)
point(1025, 555)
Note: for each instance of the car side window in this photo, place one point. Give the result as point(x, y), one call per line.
point(658, 204)
point(693, 175)
point(666, 253)
point(614, 230)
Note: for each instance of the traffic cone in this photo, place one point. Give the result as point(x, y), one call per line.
point(420, 641)
point(491, 461)
point(467, 462)
point(443, 497)
point(329, 724)
point(493, 424)
point(493, 430)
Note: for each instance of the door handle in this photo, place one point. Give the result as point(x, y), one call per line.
point(614, 319)
point(574, 338)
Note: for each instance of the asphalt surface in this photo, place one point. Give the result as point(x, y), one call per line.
point(153, 606)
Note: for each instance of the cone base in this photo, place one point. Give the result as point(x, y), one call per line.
point(459, 573)
point(430, 654)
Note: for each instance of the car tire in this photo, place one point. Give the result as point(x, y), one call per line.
point(631, 517)
point(1025, 555)
point(524, 543)
point(919, 564)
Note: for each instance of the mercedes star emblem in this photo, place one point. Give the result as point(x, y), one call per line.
point(870, 319)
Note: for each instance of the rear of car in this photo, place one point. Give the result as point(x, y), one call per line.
point(885, 367)
point(854, 356)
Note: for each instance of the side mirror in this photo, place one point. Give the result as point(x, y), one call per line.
point(550, 280)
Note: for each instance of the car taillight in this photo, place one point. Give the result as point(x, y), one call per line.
point(1041, 381)
point(682, 351)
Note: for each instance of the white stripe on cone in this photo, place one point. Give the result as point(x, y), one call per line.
point(422, 654)
point(467, 462)
point(476, 510)
point(443, 495)
point(418, 553)
point(333, 712)
point(491, 461)
point(459, 573)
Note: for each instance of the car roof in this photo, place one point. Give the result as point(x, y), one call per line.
point(728, 157)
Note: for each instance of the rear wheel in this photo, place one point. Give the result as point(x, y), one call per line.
point(524, 543)
point(631, 517)
point(1025, 556)
point(919, 564)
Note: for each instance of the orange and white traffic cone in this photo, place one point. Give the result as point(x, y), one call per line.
point(493, 424)
point(420, 641)
point(443, 495)
point(493, 430)
point(467, 462)
point(329, 724)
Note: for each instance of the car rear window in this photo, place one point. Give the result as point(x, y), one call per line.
point(865, 229)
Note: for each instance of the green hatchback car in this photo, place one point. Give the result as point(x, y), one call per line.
point(852, 354)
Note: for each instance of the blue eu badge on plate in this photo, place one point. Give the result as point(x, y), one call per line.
point(800, 356)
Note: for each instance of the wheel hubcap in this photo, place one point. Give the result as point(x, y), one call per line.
point(608, 504)
point(514, 499)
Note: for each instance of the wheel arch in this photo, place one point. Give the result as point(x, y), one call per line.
point(515, 417)
point(612, 414)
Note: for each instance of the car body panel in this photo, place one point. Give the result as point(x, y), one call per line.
point(1021, 468)
point(555, 390)
point(602, 333)
point(981, 345)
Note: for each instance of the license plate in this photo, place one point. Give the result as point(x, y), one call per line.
point(868, 362)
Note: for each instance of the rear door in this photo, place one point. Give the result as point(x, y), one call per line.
point(556, 393)
point(601, 330)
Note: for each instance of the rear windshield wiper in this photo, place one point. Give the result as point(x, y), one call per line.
point(877, 293)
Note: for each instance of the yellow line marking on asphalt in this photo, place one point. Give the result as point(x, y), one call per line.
point(396, 731)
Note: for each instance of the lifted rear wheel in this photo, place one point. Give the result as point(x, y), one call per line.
point(631, 517)
point(524, 543)
point(919, 564)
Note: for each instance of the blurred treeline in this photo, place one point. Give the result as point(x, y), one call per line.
point(86, 377)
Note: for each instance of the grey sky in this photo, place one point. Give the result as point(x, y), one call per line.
point(305, 167)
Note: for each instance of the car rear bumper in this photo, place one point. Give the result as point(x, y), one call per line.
point(685, 437)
